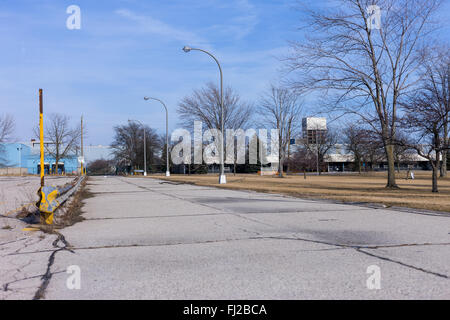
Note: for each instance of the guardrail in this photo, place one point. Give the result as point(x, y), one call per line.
point(53, 197)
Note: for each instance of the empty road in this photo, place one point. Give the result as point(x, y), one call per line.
point(148, 239)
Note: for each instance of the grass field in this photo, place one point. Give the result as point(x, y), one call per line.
point(347, 188)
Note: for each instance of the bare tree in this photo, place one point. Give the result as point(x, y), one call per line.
point(303, 160)
point(6, 129)
point(128, 145)
point(402, 153)
point(366, 67)
point(101, 167)
point(426, 118)
point(281, 108)
point(204, 105)
point(357, 140)
point(321, 144)
point(61, 139)
point(366, 146)
point(437, 88)
point(7, 126)
point(374, 149)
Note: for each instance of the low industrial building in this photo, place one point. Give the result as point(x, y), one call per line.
point(27, 156)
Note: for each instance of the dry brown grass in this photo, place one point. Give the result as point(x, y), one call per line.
point(347, 188)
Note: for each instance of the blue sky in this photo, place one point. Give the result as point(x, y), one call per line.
point(127, 49)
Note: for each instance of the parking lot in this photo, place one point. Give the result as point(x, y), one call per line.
point(145, 238)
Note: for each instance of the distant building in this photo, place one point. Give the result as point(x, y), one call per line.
point(27, 155)
point(340, 159)
point(313, 129)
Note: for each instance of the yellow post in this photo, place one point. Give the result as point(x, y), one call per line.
point(41, 135)
point(45, 218)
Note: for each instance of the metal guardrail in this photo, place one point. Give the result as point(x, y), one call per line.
point(53, 197)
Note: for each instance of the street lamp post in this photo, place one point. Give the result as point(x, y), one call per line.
point(222, 177)
point(167, 133)
point(145, 148)
point(20, 159)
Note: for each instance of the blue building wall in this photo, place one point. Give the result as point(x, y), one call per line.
point(14, 154)
point(22, 155)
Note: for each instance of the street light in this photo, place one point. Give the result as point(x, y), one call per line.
point(145, 148)
point(167, 134)
point(222, 177)
point(20, 159)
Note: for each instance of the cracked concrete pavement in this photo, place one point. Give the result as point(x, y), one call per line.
point(21, 274)
point(148, 239)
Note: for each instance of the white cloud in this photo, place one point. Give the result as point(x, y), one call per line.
point(243, 23)
point(151, 25)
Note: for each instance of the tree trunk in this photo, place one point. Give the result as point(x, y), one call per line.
point(445, 153)
point(444, 164)
point(391, 167)
point(358, 164)
point(318, 162)
point(280, 167)
point(436, 168)
point(288, 155)
point(280, 160)
point(434, 179)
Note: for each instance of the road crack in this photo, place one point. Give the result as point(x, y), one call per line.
point(360, 249)
point(403, 264)
point(46, 277)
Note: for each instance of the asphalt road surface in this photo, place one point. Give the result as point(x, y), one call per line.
point(149, 239)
